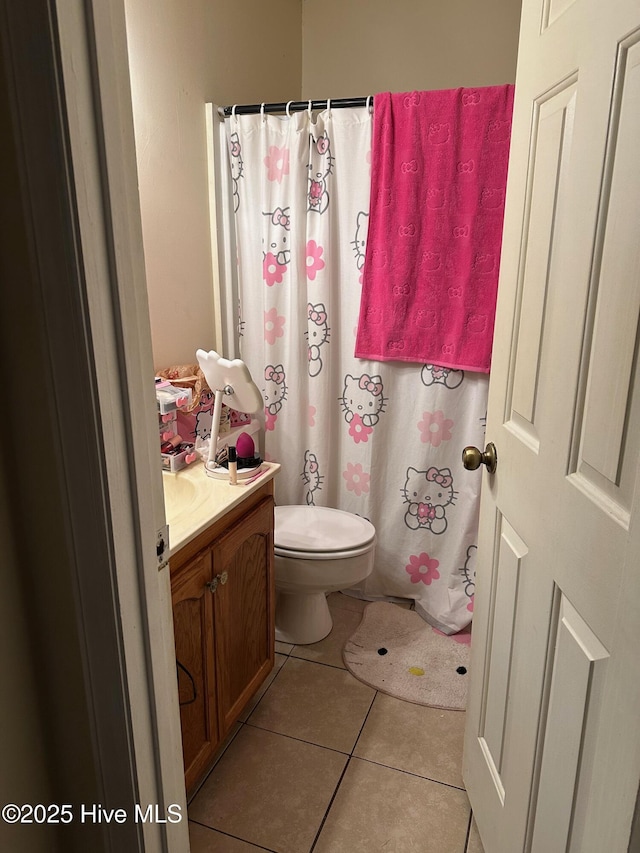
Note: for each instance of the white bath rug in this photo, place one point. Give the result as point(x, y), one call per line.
point(396, 651)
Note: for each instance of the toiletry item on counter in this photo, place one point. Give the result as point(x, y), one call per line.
point(246, 450)
point(169, 398)
point(170, 445)
point(261, 470)
point(245, 446)
point(179, 457)
point(233, 465)
point(176, 452)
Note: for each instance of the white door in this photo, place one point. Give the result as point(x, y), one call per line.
point(552, 751)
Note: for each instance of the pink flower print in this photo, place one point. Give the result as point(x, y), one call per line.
point(426, 511)
point(357, 479)
point(312, 416)
point(277, 163)
point(272, 269)
point(314, 259)
point(315, 193)
point(470, 605)
point(358, 431)
point(423, 568)
point(269, 420)
point(435, 428)
point(273, 325)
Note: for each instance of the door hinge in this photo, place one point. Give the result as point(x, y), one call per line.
point(162, 546)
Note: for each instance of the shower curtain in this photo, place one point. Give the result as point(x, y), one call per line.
point(382, 440)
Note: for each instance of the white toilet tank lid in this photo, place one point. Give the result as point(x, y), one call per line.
point(319, 528)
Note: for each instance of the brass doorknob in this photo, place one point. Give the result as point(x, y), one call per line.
point(472, 458)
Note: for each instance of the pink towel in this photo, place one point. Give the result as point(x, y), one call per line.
point(438, 176)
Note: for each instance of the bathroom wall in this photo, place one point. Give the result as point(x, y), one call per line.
point(352, 48)
point(183, 53)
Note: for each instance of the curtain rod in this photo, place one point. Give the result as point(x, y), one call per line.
point(294, 106)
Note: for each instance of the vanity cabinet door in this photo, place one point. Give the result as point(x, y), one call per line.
point(244, 603)
point(193, 629)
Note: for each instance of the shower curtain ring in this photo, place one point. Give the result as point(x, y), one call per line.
point(233, 112)
point(262, 111)
point(329, 106)
point(309, 111)
point(288, 105)
point(369, 103)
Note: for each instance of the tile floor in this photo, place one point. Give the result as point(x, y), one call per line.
point(321, 763)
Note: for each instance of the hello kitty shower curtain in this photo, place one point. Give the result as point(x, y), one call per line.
point(382, 440)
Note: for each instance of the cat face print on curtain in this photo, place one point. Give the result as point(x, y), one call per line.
point(379, 440)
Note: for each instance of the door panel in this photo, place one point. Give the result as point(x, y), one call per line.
point(552, 134)
point(572, 696)
point(193, 632)
point(552, 9)
point(244, 607)
point(609, 430)
point(555, 688)
point(511, 556)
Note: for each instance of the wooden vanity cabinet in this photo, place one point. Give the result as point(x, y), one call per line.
point(223, 598)
point(193, 631)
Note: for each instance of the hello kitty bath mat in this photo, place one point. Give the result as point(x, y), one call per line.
point(396, 651)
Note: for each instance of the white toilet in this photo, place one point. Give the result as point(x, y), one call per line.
point(317, 550)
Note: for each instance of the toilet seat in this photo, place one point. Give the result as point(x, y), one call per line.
point(321, 533)
point(323, 555)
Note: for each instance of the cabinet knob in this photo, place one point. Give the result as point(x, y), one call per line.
point(218, 579)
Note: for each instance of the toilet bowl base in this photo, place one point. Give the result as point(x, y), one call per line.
point(302, 618)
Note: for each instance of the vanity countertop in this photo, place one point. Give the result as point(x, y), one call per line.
point(194, 501)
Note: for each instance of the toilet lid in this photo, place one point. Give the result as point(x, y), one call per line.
point(319, 529)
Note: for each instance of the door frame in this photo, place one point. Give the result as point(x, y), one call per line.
point(73, 130)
